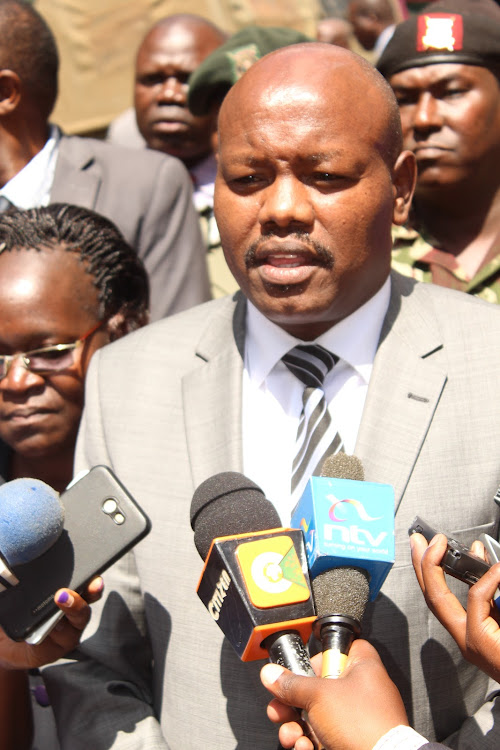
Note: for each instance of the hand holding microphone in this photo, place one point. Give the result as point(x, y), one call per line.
point(351, 713)
point(31, 521)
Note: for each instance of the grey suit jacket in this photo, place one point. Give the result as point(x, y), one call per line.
point(163, 409)
point(148, 196)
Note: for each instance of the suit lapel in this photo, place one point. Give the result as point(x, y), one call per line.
point(212, 395)
point(407, 382)
point(73, 182)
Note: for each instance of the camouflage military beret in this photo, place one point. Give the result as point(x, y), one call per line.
point(450, 31)
point(211, 81)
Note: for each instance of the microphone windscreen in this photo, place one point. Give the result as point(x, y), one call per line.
point(228, 504)
point(31, 520)
point(341, 591)
point(343, 466)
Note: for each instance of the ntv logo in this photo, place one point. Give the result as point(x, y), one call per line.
point(351, 534)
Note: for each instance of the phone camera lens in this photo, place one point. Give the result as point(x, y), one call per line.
point(109, 506)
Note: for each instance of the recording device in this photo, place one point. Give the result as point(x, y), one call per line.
point(492, 548)
point(49, 542)
point(458, 561)
point(255, 582)
point(349, 528)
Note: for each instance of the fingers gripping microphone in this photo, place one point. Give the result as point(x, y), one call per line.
point(341, 595)
point(255, 582)
point(31, 521)
point(349, 528)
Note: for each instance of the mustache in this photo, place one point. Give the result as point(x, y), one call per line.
point(323, 255)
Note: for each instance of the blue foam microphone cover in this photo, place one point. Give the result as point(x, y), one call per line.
point(31, 520)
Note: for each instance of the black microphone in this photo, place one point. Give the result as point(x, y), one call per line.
point(255, 582)
point(341, 595)
point(349, 527)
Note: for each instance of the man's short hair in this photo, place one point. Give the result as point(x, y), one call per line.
point(118, 273)
point(29, 49)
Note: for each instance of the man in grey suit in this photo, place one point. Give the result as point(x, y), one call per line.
point(311, 175)
point(147, 195)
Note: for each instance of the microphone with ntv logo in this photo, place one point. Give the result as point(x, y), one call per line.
point(349, 529)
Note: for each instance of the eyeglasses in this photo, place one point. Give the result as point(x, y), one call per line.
point(49, 359)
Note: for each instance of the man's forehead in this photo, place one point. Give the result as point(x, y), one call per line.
point(440, 73)
point(301, 102)
point(316, 68)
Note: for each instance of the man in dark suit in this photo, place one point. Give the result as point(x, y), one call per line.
point(311, 176)
point(147, 195)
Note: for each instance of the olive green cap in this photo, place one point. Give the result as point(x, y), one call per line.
point(211, 81)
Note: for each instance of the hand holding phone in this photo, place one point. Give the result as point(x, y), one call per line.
point(458, 561)
point(476, 630)
point(57, 641)
point(101, 523)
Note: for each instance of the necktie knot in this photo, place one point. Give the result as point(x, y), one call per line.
point(310, 363)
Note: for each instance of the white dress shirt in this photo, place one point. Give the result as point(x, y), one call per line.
point(203, 176)
point(30, 188)
point(272, 395)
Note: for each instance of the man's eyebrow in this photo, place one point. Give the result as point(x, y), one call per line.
point(322, 156)
point(252, 161)
point(451, 77)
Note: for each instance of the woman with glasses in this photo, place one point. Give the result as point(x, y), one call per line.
point(69, 284)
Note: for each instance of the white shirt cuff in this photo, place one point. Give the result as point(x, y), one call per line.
point(401, 738)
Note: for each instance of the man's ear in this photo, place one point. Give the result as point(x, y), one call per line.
point(10, 91)
point(404, 178)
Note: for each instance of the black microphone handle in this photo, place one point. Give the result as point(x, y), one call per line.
point(287, 649)
point(336, 633)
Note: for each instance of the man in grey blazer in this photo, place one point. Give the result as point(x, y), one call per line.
point(311, 175)
point(147, 195)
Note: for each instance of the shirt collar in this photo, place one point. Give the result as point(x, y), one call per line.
point(203, 174)
point(354, 339)
point(31, 186)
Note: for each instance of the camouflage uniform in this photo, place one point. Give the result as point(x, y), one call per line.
point(222, 281)
point(413, 256)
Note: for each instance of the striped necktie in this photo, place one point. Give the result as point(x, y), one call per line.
point(317, 437)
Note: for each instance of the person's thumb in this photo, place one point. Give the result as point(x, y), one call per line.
point(287, 687)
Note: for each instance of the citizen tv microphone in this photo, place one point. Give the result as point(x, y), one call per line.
point(31, 521)
point(255, 582)
point(349, 528)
